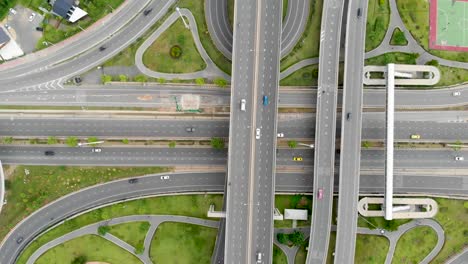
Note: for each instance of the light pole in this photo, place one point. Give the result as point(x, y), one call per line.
point(181, 16)
point(306, 145)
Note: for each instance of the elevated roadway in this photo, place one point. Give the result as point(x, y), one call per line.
point(252, 134)
point(121, 190)
point(325, 129)
point(351, 123)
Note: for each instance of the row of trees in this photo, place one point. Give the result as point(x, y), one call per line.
point(105, 78)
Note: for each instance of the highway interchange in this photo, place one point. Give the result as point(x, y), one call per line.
point(43, 87)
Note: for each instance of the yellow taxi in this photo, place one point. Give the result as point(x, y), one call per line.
point(297, 158)
point(415, 136)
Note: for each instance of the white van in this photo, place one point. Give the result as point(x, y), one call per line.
point(243, 102)
point(259, 257)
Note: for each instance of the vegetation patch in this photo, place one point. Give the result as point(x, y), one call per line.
point(31, 187)
point(301, 254)
point(297, 201)
point(187, 205)
point(88, 247)
point(133, 233)
point(182, 243)
point(371, 249)
point(308, 45)
point(278, 256)
point(307, 76)
point(398, 38)
point(378, 17)
point(415, 16)
point(414, 245)
point(174, 52)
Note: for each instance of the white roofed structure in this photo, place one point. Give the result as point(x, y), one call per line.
point(295, 214)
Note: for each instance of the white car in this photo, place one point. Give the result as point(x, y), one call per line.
point(459, 158)
point(12, 11)
point(31, 17)
point(456, 93)
point(280, 135)
point(7, 26)
point(257, 133)
point(165, 177)
point(97, 150)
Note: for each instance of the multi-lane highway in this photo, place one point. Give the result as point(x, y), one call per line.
point(325, 130)
point(350, 150)
point(192, 182)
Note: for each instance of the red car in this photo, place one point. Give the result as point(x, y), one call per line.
point(320, 194)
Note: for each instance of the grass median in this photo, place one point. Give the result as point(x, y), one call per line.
point(133, 233)
point(378, 18)
point(414, 245)
point(31, 187)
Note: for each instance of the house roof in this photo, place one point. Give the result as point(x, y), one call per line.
point(4, 38)
point(295, 214)
point(61, 7)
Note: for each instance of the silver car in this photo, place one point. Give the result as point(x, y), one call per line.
point(257, 133)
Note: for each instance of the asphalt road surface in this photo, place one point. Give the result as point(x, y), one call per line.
point(351, 124)
point(194, 182)
point(325, 129)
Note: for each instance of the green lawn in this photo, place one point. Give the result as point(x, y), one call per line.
point(449, 75)
point(302, 77)
point(133, 233)
point(414, 245)
point(398, 38)
point(301, 254)
point(452, 216)
point(285, 8)
point(158, 58)
point(278, 256)
point(415, 15)
point(331, 248)
point(182, 243)
point(293, 202)
point(93, 247)
point(371, 249)
point(378, 17)
point(187, 205)
point(44, 184)
point(308, 44)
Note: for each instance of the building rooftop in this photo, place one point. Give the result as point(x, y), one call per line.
point(295, 214)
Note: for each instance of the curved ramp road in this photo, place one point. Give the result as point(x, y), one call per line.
point(216, 15)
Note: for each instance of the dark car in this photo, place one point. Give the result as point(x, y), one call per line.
point(49, 153)
point(102, 48)
point(348, 116)
point(133, 181)
point(359, 12)
point(19, 240)
point(147, 11)
point(78, 80)
point(39, 29)
point(190, 129)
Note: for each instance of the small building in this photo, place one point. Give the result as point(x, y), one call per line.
point(67, 9)
point(4, 38)
point(295, 214)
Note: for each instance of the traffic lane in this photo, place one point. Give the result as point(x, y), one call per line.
point(93, 57)
point(110, 192)
point(294, 25)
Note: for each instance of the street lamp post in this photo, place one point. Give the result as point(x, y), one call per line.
point(181, 16)
point(306, 145)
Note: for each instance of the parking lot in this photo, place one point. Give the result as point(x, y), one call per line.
point(22, 26)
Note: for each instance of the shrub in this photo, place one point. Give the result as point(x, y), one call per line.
point(365, 144)
point(80, 260)
point(123, 78)
point(33, 141)
point(315, 73)
point(433, 63)
point(7, 140)
point(175, 51)
point(72, 141)
point(172, 144)
point(141, 78)
point(220, 82)
point(52, 140)
point(104, 229)
point(292, 143)
point(144, 226)
point(106, 78)
point(217, 143)
point(297, 238)
point(161, 80)
point(139, 249)
point(7, 184)
point(200, 81)
point(125, 141)
point(282, 238)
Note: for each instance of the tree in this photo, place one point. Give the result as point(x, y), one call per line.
point(433, 63)
point(217, 143)
point(282, 238)
point(125, 141)
point(297, 238)
point(457, 145)
point(315, 73)
point(80, 260)
point(161, 80)
point(140, 248)
point(398, 37)
point(106, 78)
point(104, 229)
point(141, 78)
point(52, 140)
point(92, 139)
point(220, 82)
point(391, 225)
point(292, 143)
point(71, 141)
point(200, 81)
point(8, 140)
point(365, 144)
point(172, 144)
point(123, 78)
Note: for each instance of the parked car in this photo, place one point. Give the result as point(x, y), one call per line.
point(12, 11)
point(7, 26)
point(280, 135)
point(31, 17)
point(459, 158)
point(320, 194)
point(39, 29)
point(49, 153)
point(165, 177)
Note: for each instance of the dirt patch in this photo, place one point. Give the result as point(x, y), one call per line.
point(9, 171)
